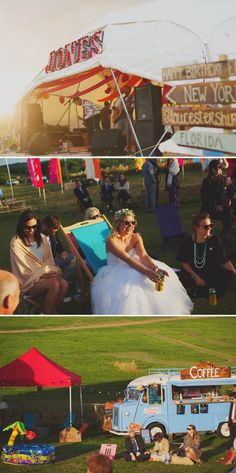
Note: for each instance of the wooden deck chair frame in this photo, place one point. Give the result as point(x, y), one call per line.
point(29, 306)
point(82, 266)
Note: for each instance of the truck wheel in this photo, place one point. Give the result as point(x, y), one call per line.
point(223, 430)
point(155, 428)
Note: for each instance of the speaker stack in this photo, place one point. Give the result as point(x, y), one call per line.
point(149, 128)
point(32, 122)
point(107, 143)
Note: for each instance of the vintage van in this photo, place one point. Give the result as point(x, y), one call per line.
point(168, 400)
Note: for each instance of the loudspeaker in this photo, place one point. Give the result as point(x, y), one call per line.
point(107, 142)
point(32, 121)
point(38, 144)
point(148, 103)
point(148, 134)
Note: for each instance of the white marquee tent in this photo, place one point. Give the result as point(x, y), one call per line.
point(137, 43)
point(142, 40)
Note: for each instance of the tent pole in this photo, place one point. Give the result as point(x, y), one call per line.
point(9, 175)
point(65, 112)
point(160, 140)
point(81, 405)
point(127, 113)
point(70, 406)
point(68, 138)
point(67, 175)
point(44, 196)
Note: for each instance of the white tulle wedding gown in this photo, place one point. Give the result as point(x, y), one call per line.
point(118, 289)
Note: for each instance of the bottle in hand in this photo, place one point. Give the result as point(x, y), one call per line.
point(212, 296)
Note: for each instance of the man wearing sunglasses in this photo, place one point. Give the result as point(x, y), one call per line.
point(214, 198)
point(204, 261)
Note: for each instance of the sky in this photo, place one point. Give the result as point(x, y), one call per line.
point(30, 29)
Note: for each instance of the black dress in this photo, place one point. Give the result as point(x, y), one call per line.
point(213, 194)
point(211, 271)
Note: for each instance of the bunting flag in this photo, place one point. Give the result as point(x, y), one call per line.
point(35, 170)
point(181, 162)
point(55, 175)
point(92, 167)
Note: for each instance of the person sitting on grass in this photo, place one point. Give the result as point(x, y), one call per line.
point(122, 187)
point(92, 213)
point(229, 458)
point(97, 463)
point(191, 444)
point(160, 451)
point(65, 261)
point(204, 261)
point(82, 194)
point(135, 447)
point(33, 265)
point(107, 191)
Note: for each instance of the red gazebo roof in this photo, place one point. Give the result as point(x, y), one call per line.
point(34, 369)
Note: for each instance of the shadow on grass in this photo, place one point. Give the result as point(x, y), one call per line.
point(213, 450)
point(67, 451)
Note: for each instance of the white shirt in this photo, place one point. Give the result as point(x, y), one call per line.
point(90, 109)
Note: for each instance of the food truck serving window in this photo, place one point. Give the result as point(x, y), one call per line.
point(196, 392)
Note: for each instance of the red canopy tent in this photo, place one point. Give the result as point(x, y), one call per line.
point(34, 369)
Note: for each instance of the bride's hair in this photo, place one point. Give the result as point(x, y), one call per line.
point(118, 218)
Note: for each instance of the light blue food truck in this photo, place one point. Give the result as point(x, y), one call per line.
point(168, 400)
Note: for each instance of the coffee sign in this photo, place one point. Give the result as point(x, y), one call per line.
point(200, 71)
point(205, 371)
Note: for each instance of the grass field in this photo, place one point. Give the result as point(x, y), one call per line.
point(65, 206)
point(108, 353)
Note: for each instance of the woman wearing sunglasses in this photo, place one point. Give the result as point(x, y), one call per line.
point(191, 444)
point(204, 261)
point(32, 263)
point(127, 285)
point(92, 213)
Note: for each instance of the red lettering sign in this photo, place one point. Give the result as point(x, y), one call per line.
point(78, 51)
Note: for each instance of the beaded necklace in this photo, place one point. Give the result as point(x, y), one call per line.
point(199, 259)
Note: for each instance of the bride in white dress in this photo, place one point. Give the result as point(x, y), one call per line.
point(127, 285)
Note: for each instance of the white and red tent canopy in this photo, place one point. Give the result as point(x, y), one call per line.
point(141, 40)
point(136, 43)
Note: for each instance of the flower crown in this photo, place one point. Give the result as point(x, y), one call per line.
point(120, 213)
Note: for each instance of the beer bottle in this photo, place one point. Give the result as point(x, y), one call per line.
point(212, 296)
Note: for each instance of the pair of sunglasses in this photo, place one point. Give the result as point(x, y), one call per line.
point(206, 227)
point(129, 222)
point(30, 227)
